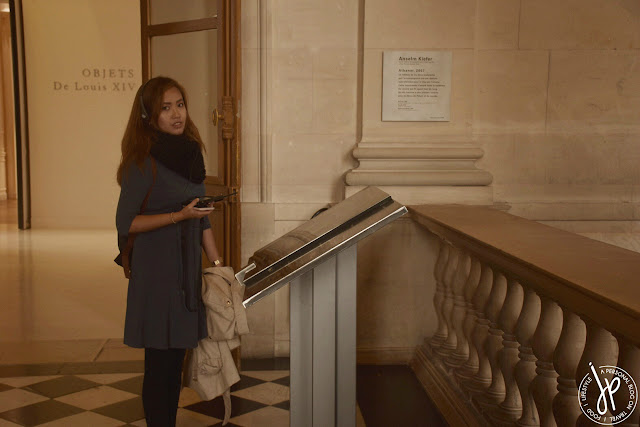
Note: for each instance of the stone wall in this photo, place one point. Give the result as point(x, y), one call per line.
point(547, 89)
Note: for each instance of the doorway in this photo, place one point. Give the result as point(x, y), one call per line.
point(197, 44)
point(8, 177)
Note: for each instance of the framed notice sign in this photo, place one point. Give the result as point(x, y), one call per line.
point(416, 86)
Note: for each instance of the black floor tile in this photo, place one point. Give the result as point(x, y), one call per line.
point(246, 382)
point(229, 424)
point(39, 413)
point(61, 386)
point(283, 381)
point(215, 408)
point(71, 368)
point(30, 370)
point(132, 385)
point(273, 364)
point(392, 396)
point(128, 411)
point(282, 405)
point(116, 367)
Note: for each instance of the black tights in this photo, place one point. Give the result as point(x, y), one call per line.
point(161, 385)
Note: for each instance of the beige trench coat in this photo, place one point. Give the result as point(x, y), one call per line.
point(210, 369)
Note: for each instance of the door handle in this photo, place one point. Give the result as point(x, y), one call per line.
point(216, 117)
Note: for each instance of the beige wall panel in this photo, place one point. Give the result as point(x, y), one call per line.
point(594, 91)
point(548, 167)
point(461, 100)
point(335, 64)
point(257, 346)
point(580, 24)
point(261, 317)
point(499, 158)
point(618, 159)
point(75, 134)
point(565, 193)
point(292, 106)
point(281, 327)
point(258, 227)
point(322, 192)
point(334, 107)
point(311, 160)
point(498, 24)
point(292, 64)
point(249, 25)
point(396, 286)
point(577, 211)
point(250, 113)
point(511, 91)
point(297, 211)
point(303, 23)
point(419, 24)
point(283, 227)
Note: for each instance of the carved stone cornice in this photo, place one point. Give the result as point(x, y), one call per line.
point(410, 164)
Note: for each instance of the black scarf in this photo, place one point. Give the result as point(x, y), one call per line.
point(180, 154)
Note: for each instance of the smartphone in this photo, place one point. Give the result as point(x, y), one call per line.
point(204, 203)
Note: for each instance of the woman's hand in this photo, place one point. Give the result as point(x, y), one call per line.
point(190, 211)
point(142, 223)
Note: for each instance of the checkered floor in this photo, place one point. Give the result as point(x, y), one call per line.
point(113, 399)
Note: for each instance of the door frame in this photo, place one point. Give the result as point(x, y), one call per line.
point(21, 128)
point(229, 79)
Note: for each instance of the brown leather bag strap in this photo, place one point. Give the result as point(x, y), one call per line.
point(132, 236)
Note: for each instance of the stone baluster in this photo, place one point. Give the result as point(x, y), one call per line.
point(481, 379)
point(567, 355)
point(476, 295)
point(441, 331)
point(629, 360)
point(600, 349)
point(493, 345)
point(525, 370)
point(545, 340)
point(461, 352)
point(510, 409)
point(449, 343)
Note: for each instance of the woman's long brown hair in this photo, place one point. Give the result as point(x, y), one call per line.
point(139, 135)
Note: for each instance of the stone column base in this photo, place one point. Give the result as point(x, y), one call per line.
point(424, 195)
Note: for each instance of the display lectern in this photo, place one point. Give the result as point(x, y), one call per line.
point(319, 260)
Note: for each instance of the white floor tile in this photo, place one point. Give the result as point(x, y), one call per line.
point(268, 416)
point(25, 381)
point(187, 418)
point(106, 378)
point(95, 397)
point(266, 375)
point(17, 398)
point(267, 393)
point(84, 419)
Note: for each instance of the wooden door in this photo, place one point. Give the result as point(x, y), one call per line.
point(197, 43)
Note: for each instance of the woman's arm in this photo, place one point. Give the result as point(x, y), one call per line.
point(209, 245)
point(142, 223)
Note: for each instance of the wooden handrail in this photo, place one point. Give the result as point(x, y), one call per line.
point(595, 280)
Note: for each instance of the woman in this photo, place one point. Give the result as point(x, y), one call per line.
point(162, 162)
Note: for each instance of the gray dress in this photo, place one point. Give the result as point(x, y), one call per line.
point(159, 313)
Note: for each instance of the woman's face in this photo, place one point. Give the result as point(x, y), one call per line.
point(173, 114)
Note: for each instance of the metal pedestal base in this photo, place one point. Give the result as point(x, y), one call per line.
point(323, 343)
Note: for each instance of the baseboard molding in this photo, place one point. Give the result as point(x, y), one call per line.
point(456, 409)
point(384, 356)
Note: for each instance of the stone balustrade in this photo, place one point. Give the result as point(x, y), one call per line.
point(523, 312)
